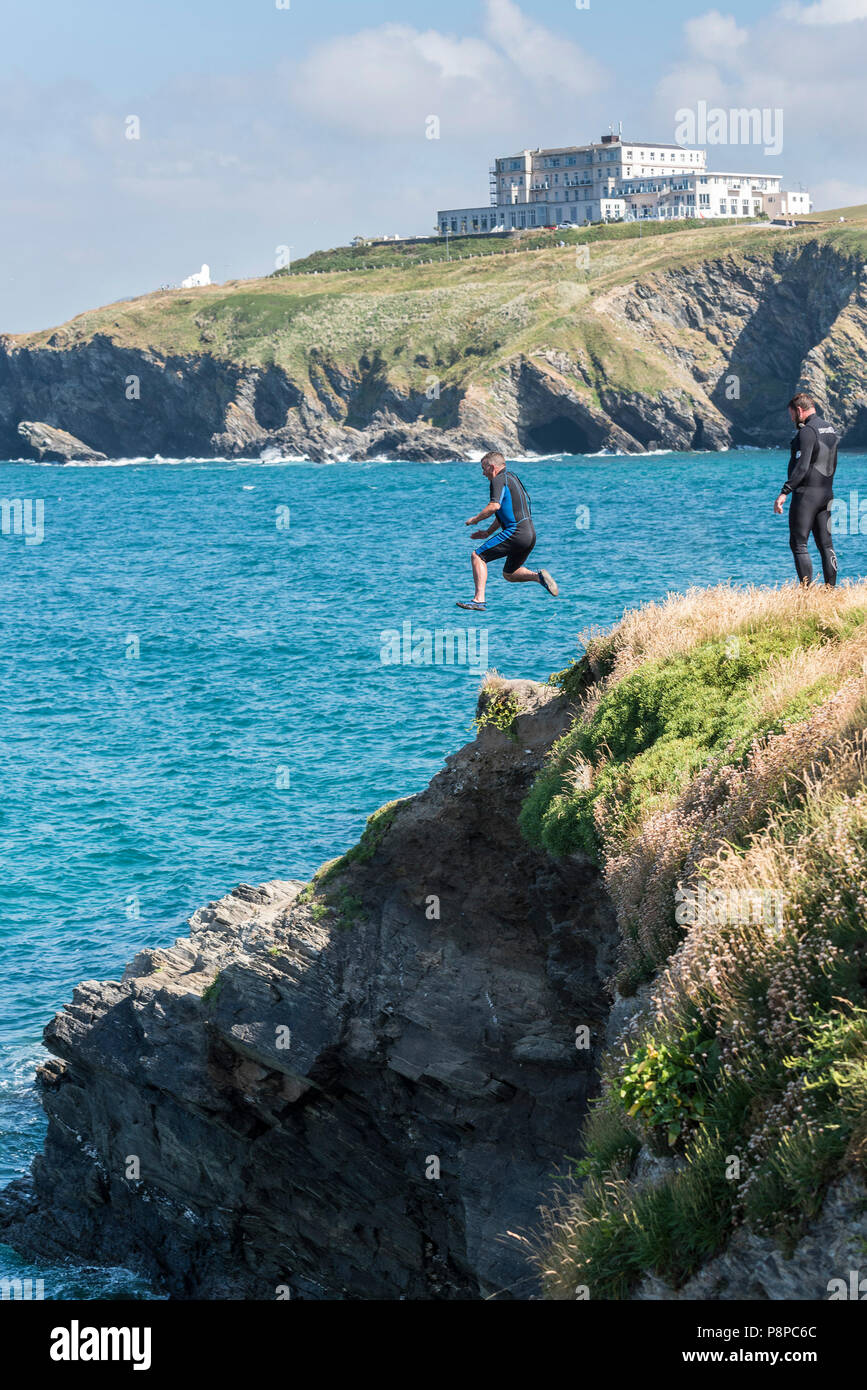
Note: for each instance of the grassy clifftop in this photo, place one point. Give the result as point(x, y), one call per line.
point(465, 318)
point(717, 770)
point(622, 338)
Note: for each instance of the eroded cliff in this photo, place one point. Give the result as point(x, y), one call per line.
point(354, 1091)
point(688, 340)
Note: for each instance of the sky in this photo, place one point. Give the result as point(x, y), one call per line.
point(264, 124)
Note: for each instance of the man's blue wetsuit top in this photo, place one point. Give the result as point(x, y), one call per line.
point(513, 504)
point(813, 458)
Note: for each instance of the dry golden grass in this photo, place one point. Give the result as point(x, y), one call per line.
point(727, 804)
point(811, 859)
point(789, 676)
point(681, 621)
point(769, 850)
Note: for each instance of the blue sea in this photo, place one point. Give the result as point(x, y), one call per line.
point(193, 692)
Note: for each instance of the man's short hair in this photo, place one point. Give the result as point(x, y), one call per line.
point(494, 459)
point(802, 402)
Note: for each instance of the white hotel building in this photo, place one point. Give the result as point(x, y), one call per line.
point(612, 180)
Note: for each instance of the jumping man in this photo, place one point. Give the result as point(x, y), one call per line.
point(812, 464)
point(512, 533)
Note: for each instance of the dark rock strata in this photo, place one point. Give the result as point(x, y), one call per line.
point(431, 990)
point(696, 356)
point(56, 446)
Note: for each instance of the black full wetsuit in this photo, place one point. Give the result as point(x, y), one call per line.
point(812, 464)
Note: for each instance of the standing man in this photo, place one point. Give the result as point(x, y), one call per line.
point(512, 533)
point(812, 464)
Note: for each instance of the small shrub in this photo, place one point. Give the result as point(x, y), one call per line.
point(213, 991)
point(664, 1084)
point(500, 712)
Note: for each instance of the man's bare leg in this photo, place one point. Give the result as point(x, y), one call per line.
point(480, 575)
point(524, 576)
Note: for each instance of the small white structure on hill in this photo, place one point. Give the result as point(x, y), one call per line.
point(203, 277)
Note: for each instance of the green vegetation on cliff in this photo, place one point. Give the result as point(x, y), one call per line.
point(621, 338)
point(463, 319)
point(405, 254)
point(717, 769)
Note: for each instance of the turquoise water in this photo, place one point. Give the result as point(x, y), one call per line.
point(193, 695)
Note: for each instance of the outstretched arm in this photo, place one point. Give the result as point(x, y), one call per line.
point(483, 515)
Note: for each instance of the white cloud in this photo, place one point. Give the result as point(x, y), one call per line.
point(685, 85)
point(826, 12)
point(822, 120)
point(714, 36)
point(545, 59)
point(308, 151)
point(387, 81)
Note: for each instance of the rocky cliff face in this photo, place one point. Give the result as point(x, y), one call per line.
point(825, 1263)
point(56, 446)
point(746, 334)
point(356, 1091)
point(700, 355)
point(362, 1088)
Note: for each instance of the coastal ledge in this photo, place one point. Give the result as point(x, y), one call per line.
point(689, 343)
point(363, 1087)
point(355, 1090)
